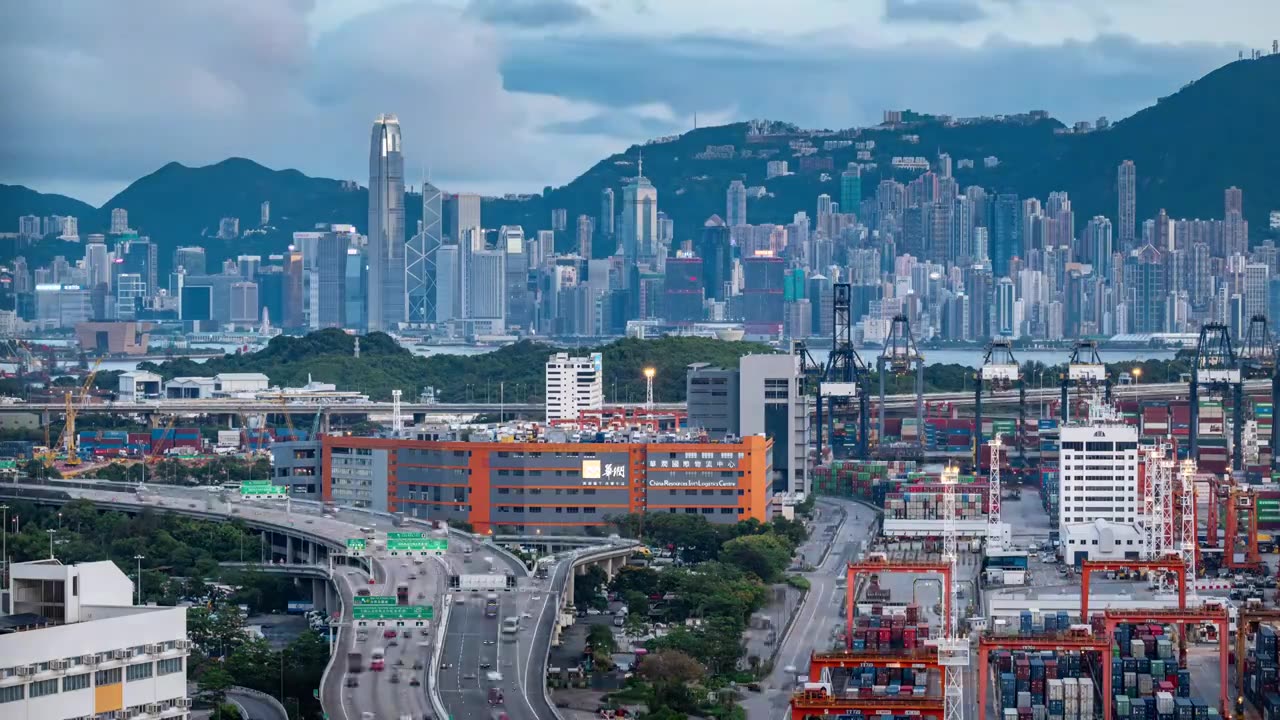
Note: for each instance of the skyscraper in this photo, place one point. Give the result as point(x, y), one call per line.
point(420, 259)
point(1232, 201)
point(1126, 189)
point(736, 204)
point(850, 189)
point(1006, 241)
point(717, 257)
point(1097, 245)
point(585, 228)
point(119, 221)
point(639, 218)
point(607, 214)
point(461, 213)
point(387, 300)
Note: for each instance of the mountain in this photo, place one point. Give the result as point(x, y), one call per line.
point(1215, 132)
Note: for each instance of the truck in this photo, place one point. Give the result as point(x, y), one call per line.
point(482, 582)
point(355, 662)
point(402, 594)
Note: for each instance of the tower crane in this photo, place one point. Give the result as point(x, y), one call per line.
point(68, 438)
point(953, 650)
point(900, 357)
point(1085, 370)
point(1217, 370)
point(999, 371)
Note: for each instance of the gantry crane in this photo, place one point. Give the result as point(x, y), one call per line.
point(953, 649)
point(843, 382)
point(1217, 370)
point(901, 358)
point(999, 371)
point(1085, 370)
point(1242, 530)
point(1258, 356)
point(1075, 640)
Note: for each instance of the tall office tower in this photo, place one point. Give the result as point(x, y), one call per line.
point(1097, 245)
point(962, 231)
point(1032, 237)
point(851, 189)
point(461, 213)
point(1127, 189)
point(191, 258)
point(824, 215)
point(736, 204)
point(244, 303)
point(717, 258)
point(119, 221)
point(264, 213)
point(683, 289)
point(355, 280)
point(387, 301)
point(763, 279)
point(1144, 283)
point(97, 265)
point(519, 300)
point(486, 286)
point(605, 223)
point(981, 205)
point(1006, 323)
point(772, 401)
point(1232, 201)
point(294, 293)
point(1256, 279)
point(1006, 241)
point(944, 165)
point(639, 219)
point(939, 232)
point(248, 266)
point(420, 259)
point(447, 269)
point(330, 280)
point(573, 385)
point(545, 250)
point(585, 231)
point(138, 256)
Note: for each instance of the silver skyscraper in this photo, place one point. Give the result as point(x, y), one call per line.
point(387, 301)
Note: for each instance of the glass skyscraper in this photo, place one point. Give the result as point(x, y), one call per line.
point(387, 300)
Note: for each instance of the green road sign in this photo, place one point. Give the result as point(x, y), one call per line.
point(417, 545)
point(405, 535)
point(8, 464)
point(255, 483)
point(355, 544)
point(375, 600)
point(396, 612)
point(263, 491)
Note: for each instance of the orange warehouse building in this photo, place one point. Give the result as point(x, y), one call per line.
point(557, 488)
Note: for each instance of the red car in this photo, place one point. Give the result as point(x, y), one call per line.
point(388, 633)
point(377, 665)
point(372, 581)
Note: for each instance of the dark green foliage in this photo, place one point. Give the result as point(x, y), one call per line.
point(328, 356)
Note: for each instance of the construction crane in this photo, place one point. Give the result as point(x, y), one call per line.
point(1217, 370)
point(999, 371)
point(899, 358)
point(953, 650)
point(68, 438)
point(1085, 370)
point(288, 421)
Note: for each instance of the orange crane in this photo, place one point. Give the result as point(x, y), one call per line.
point(68, 437)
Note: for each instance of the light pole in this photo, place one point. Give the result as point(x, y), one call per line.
point(649, 374)
point(51, 532)
point(139, 559)
point(4, 546)
point(1137, 375)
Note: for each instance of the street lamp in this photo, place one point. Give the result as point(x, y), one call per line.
point(139, 559)
point(51, 532)
point(1137, 375)
point(4, 545)
point(649, 374)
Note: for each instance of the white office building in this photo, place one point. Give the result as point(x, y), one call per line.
point(74, 645)
point(1098, 474)
point(772, 402)
point(574, 384)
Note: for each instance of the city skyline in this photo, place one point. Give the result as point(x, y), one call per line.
point(540, 119)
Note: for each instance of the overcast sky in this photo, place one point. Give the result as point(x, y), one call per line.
point(512, 95)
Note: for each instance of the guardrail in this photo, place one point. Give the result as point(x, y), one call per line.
point(433, 676)
point(264, 697)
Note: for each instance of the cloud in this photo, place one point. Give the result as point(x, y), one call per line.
point(935, 11)
point(529, 13)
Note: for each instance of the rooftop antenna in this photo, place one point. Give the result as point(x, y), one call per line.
point(640, 169)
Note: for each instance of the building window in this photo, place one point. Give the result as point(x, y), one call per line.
point(107, 677)
point(75, 682)
point(140, 671)
point(44, 687)
point(168, 667)
point(12, 694)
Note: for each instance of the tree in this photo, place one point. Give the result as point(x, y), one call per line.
point(765, 556)
point(586, 588)
point(671, 666)
point(214, 683)
point(635, 579)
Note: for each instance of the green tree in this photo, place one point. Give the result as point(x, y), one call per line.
point(587, 587)
point(765, 556)
point(214, 683)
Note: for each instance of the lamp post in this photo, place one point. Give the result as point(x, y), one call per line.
point(649, 374)
point(4, 546)
point(51, 532)
point(139, 559)
point(1137, 375)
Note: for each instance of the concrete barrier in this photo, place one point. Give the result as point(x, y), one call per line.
point(433, 676)
point(268, 699)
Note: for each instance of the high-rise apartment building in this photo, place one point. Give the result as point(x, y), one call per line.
point(1232, 201)
point(736, 204)
point(607, 214)
point(1097, 245)
point(1006, 242)
point(387, 301)
point(421, 270)
point(1127, 191)
point(574, 385)
point(586, 229)
point(192, 259)
point(119, 221)
point(1257, 276)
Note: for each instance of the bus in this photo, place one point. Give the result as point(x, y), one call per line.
point(402, 594)
point(511, 625)
point(491, 605)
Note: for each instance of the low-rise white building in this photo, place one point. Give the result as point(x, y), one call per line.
point(189, 388)
point(140, 385)
point(74, 645)
point(1102, 540)
point(232, 383)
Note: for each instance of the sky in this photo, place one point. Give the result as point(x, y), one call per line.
point(514, 95)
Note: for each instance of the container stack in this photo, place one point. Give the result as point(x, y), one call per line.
point(862, 479)
point(929, 505)
point(1049, 492)
point(879, 632)
point(1155, 420)
point(1263, 414)
point(162, 439)
point(103, 443)
point(1260, 668)
point(1044, 685)
point(948, 434)
point(1212, 438)
point(1146, 680)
